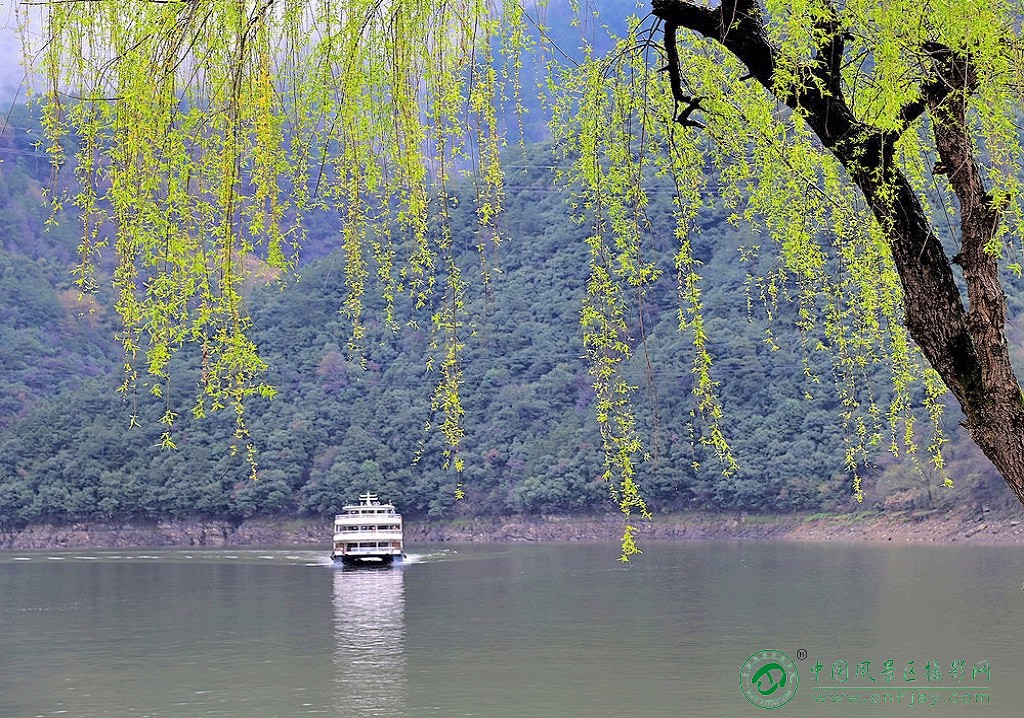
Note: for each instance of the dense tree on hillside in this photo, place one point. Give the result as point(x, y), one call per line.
point(336, 428)
point(207, 130)
point(532, 445)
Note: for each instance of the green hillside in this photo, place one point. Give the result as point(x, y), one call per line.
point(342, 424)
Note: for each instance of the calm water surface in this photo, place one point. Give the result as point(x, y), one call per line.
point(499, 630)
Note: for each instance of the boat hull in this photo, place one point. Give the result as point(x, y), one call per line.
point(367, 560)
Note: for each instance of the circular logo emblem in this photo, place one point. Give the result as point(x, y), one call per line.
point(769, 679)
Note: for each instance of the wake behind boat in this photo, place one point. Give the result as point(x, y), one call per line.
point(369, 532)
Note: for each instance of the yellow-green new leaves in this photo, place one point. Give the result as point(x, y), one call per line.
point(206, 130)
point(611, 199)
point(744, 141)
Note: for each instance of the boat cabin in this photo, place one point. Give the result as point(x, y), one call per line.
point(368, 532)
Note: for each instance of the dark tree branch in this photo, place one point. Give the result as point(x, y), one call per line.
point(951, 73)
point(692, 105)
point(672, 52)
point(911, 111)
point(736, 14)
point(699, 19)
point(995, 413)
point(828, 63)
point(947, 101)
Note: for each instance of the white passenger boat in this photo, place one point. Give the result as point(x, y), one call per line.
point(368, 532)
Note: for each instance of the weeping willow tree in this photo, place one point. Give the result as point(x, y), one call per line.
point(873, 147)
point(915, 105)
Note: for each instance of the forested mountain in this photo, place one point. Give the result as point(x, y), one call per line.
point(49, 341)
point(343, 422)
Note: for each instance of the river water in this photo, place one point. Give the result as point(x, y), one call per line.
point(558, 631)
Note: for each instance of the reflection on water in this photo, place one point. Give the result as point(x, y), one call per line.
point(369, 632)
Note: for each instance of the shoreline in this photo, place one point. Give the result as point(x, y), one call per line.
point(958, 526)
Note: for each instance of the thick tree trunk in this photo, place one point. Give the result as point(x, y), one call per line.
point(966, 346)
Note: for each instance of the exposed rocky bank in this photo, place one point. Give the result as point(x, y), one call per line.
point(960, 526)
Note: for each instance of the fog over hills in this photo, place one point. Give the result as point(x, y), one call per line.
point(11, 71)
